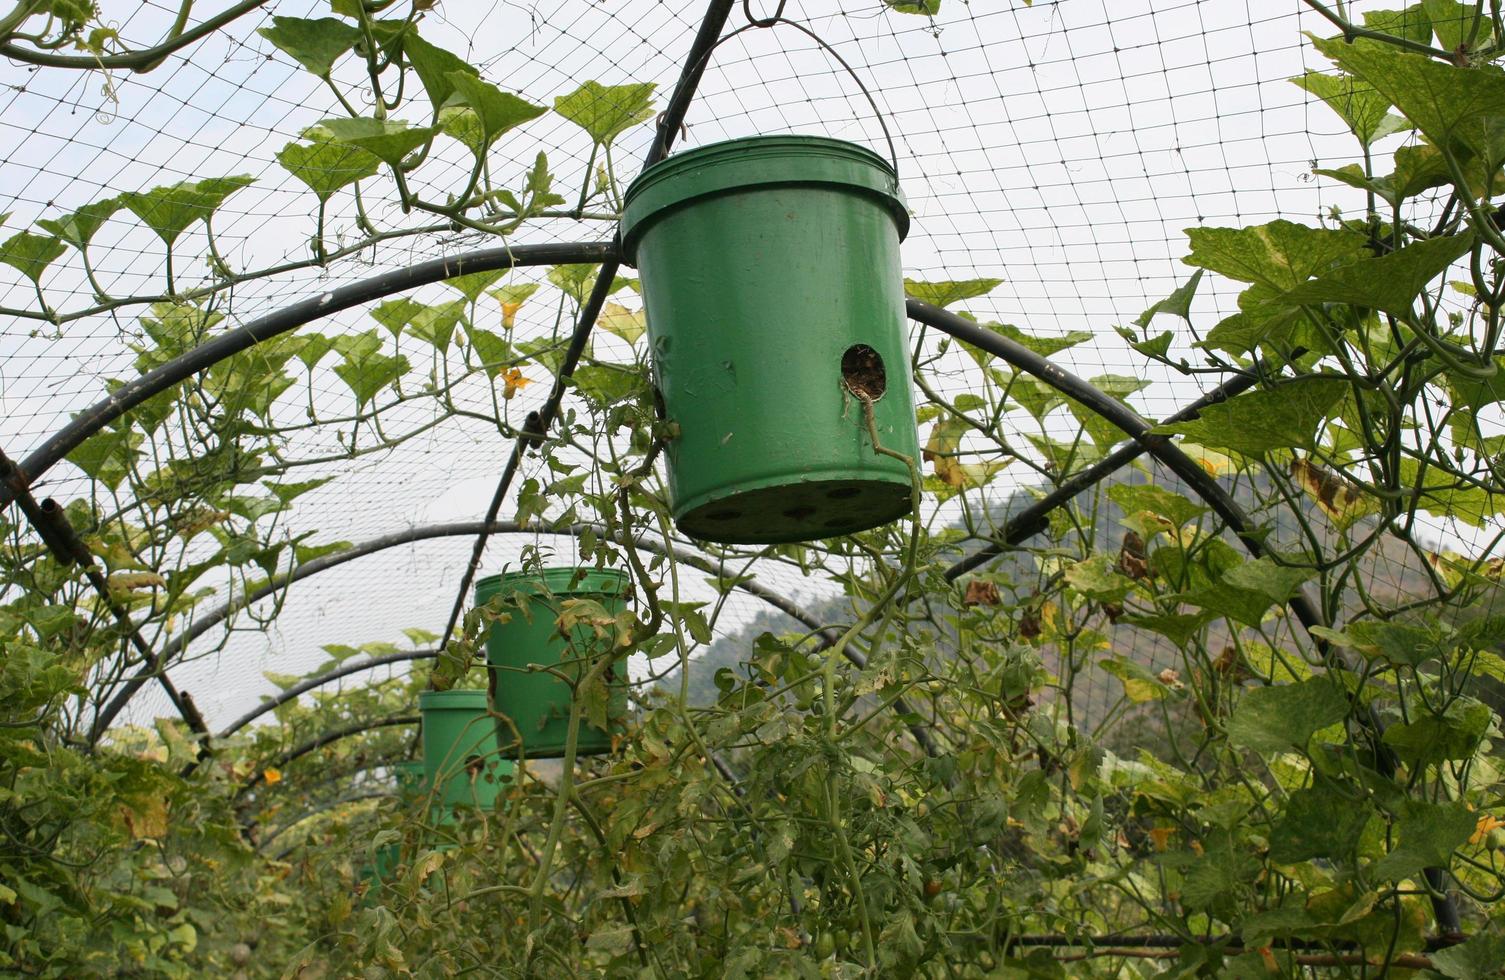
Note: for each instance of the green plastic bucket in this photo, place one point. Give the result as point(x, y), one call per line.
point(771, 278)
point(460, 754)
point(537, 703)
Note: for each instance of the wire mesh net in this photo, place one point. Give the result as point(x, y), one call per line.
point(1061, 148)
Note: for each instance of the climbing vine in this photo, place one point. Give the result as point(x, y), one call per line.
point(902, 779)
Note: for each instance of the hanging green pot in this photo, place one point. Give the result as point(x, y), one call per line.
point(460, 754)
point(775, 301)
point(535, 703)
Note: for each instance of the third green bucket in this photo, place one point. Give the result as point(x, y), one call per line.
point(537, 703)
point(460, 754)
point(775, 301)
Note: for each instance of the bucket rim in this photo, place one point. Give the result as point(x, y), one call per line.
point(558, 580)
point(727, 166)
point(469, 699)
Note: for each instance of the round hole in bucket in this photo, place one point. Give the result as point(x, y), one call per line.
point(862, 372)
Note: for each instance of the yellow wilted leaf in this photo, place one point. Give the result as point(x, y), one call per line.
point(514, 382)
point(134, 581)
point(1160, 836)
point(144, 817)
point(627, 324)
point(941, 449)
point(1214, 462)
point(1340, 500)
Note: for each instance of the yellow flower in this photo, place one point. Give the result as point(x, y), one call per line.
point(1483, 827)
point(272, 776)
point(509, 314)
point(514, 382)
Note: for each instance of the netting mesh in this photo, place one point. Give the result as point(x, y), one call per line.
point(1059, 147)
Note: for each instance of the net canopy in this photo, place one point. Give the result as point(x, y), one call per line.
point(1133, 205)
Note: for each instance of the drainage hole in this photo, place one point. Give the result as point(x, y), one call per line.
point(844, 493)
point(799, 513)
point(723, 515)
point(862, 372)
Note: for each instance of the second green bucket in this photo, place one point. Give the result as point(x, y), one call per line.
point(537, 703)
point(460, 754)
point(775, 301)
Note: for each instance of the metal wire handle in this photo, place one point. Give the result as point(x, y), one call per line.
point(778, 17)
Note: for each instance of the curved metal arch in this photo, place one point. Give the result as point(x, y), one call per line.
point(180, 368)
point(203, 624)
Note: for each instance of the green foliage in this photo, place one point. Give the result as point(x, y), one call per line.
point(607, 111)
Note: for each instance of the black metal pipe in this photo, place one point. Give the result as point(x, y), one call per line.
point(1035, 518)
point(231, 342)
point(669, 123)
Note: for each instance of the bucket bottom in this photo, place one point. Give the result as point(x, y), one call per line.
point(799, 511)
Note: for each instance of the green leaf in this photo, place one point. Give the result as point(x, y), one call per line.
point(1163, 503)
point(169, 210)
point(1262, 421)
point(575, 280)
point(605, 112)
point(1366, 112)
point(1452, 735)
point(395, 314)
point(927, 8)
point(1280, 255)
point(945, 292)
point(1179, 628)
point(1319, 822)
point(1399, 643)
point(107, 455)
point(1247, 590)
point(606, 385)
point(30, 254)
point(435, 66)
point(286, 493)
point(1044, 346)
point(387, 139)
point(1453, 22)
point(436, 324)
point(1178, 302)
point(1446, 497)
point(494, 351)
point(314, 44)
point(326, 165)
point(1477, 959)
point(1429, 833)
point(1284, 717)
point(1453, 107)
point(1411, 23)
point(1096, 578)
point(496, 110)
point(365, 369)
point(1389, 282)
point(79, 227)
point(473, 284)
point(1140, 685)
